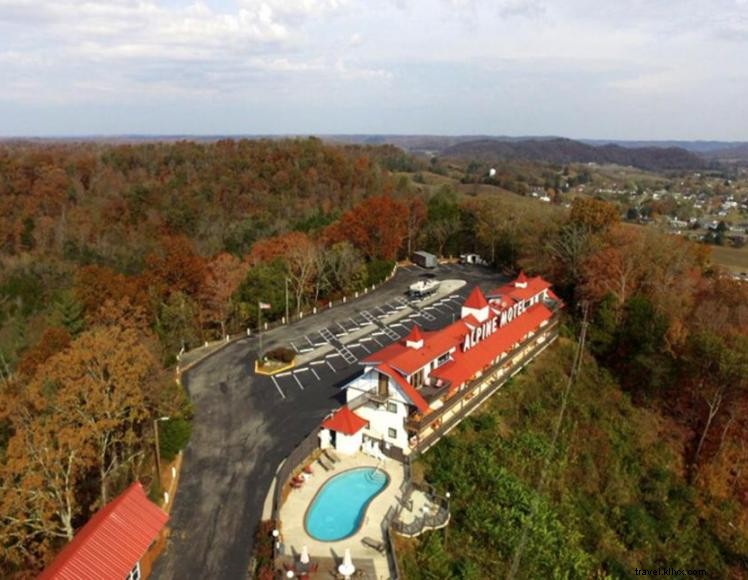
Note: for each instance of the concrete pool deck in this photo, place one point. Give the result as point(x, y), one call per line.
point(293, 512)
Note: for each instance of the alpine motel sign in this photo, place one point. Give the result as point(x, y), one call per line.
point(491, 325)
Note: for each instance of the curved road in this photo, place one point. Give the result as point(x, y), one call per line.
point(243, 429)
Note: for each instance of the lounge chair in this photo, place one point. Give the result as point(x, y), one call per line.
point(332, 455)
point(324, 462)
point(374, 544)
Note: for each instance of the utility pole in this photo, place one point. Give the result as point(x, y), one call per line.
point(158, 448)
point(288, 320)
point(259, 326)
point(575, 368)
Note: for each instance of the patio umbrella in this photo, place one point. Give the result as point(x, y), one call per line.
point(347, 568)
point(304, 558)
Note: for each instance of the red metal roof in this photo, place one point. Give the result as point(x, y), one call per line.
point(521, 279)
point(409, 360)
point(476, 299)
point(113, 540)
point(409, 390)
point(465, 365)
point(414, 335)
point(345, 421)
point(534, 286)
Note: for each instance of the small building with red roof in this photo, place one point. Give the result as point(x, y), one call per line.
point(112, 543)
point(411, 388)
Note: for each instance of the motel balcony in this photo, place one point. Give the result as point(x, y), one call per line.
point(441, 417)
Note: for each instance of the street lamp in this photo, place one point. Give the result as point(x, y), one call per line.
point(446, 528)
point(158, 448)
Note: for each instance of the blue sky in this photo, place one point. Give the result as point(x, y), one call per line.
point(656, 69)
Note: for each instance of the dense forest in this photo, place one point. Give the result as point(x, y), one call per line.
point(114, 258)
point(649, 468)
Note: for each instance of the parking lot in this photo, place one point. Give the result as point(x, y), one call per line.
point(350, 339)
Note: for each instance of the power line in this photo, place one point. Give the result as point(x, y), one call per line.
point(575, 369)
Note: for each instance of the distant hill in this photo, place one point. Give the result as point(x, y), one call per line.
point(558, 150)
point(701, 147)
point(735, 154)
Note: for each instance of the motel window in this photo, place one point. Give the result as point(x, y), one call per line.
point(442, 359)
point(416, 379)
point(383, 386)
point(134, 573)
point(392, 433)
point(391, 407)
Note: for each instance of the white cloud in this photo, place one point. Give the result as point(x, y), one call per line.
point(456, 63)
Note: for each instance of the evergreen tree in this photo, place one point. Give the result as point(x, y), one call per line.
point(68, 312)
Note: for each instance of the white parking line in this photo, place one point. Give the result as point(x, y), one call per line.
point(299, 382)
point(332, 368)
point(301, 370)
point(315, 373)
point(317, 362)
point(283, 374)
point(333, 355)
point(277, 386)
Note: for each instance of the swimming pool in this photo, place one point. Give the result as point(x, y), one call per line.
point(339, 507)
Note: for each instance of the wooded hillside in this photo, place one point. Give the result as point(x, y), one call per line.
point(113, 258)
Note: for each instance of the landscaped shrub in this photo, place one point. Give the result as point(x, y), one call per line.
point(263, 555)
point(173, 437)
point(378, 270)
point(281, 354)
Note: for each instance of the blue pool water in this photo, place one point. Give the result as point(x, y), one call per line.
point(340, 506)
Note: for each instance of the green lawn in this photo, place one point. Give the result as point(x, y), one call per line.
point(734, 259)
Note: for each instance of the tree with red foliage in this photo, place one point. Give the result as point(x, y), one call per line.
point(377, 226)
point(53, 340)
point(178, 268)
point(94, 285)
point(617, 268)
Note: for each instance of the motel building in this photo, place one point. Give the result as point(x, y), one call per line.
point(412, 392)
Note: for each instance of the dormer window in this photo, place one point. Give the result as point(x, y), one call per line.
point(414, 338)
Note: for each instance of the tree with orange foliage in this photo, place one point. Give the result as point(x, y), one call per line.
point(45, 466)
point(224, 275)
point(593, 213)
point(616, 269)
point(85, 410)
point(377, 226)
point(265, 251)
